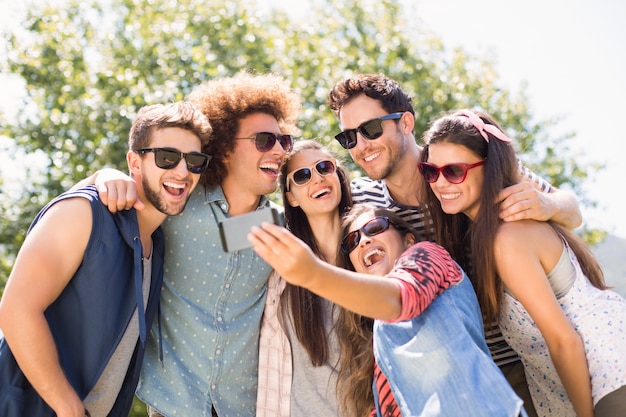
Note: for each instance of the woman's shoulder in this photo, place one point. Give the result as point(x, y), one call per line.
point(524, 234)
point(513, 229)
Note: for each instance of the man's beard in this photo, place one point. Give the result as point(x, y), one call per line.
point(159, 203)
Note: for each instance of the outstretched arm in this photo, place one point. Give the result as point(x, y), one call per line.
point(49, 257)
point(369, 295)
point(117, 190)
point(426, 270)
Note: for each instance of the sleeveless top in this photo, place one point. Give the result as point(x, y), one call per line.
point(599, 317)
point(85, 333)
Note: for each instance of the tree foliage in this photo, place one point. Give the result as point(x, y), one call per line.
point(89, 66)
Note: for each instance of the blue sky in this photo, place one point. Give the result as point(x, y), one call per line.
point(571, 54)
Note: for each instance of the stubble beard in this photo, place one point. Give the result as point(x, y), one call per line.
point(154, 197)
point(388, 169)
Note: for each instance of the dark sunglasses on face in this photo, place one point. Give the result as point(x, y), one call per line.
point(168, 158)
point(303, 176)
point(372, 228)
point(372, 129)
point(454, 173)
point(264, 141)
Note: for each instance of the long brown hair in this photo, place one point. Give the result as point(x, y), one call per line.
point(355, 332)
point(472, 243)
point(306, 307)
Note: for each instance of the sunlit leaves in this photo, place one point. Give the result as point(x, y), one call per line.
point(88, 66)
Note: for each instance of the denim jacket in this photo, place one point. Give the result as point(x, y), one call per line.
point(451, 379)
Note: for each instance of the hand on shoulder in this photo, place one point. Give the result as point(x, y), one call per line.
point(117, 190)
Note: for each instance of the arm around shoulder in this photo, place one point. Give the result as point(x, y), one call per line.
point(526, 200)
point(566, 209)
point(117, 190)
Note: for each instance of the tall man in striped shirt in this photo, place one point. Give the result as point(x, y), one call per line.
point(378, 121)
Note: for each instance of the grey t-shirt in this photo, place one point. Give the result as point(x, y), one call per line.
point(314, 388)
point(103, 395)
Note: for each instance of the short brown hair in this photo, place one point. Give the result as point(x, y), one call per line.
point(181, 114)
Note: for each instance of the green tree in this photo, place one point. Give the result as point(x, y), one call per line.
point(89, 65)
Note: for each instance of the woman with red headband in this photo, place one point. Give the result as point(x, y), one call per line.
point(537, 279)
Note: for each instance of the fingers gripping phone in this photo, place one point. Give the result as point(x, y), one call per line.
point(234, 230)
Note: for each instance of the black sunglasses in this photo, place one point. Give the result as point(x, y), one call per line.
point(168, 158)
point(372, 129)
point(302, 176)
point(372, 228)
point(454, 173)
point(264, 141)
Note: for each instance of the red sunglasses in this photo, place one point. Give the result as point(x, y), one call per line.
point(454, 173)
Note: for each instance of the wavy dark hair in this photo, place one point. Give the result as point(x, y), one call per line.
point(355, 332)
point(306, 307)
point(376, 86)
point(471, 244)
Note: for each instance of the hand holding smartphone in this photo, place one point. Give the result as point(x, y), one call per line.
point(234, 230)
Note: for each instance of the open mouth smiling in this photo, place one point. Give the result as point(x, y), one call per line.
point(450, 196)
point(371, 157)
point(373, 256)
point(270, 167)
point(174, 188)
point(321, 193)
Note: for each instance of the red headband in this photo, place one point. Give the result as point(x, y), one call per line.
point(483, 127)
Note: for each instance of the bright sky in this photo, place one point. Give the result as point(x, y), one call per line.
point(571, 54)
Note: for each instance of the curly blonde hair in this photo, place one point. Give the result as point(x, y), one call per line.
point(225, 101)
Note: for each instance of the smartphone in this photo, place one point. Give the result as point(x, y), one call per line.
point(234, 230)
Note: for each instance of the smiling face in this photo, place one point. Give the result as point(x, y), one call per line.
point(378, 157)
point(322, 194)
point(457, 198)
point(252, 172)
point(166, 189)
point(376, 255)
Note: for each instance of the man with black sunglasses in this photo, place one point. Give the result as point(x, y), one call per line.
point(378, 121)
point(212, 301)
point(85, 286)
